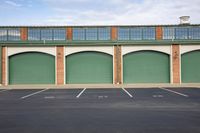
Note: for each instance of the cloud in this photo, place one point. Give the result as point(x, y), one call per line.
point(122, 12)
point(12, 3)
point(110, 12)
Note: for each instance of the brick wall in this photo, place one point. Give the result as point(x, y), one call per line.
point(113, 33)
point(3, 67)
point(69, 33)
point(117, 65)
point(159, 33)
point(24, 34)
point(176, 63)
point(60, 65)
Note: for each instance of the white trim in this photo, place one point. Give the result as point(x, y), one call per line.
point(17, 50)
point(76, 49)
point(188, 48)
point(129, 49)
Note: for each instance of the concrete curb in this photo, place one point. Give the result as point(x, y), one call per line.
point(98, 86)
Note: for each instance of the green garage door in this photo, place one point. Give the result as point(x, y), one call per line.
point(146, 67)
point(32, 68)
point(89, 67)
point(0, 64)
point(190, 67)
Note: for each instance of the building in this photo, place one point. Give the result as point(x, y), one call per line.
point(100, 54)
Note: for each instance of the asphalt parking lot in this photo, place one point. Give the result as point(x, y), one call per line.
point(82, 110)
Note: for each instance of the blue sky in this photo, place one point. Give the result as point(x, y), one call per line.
point(97, 12)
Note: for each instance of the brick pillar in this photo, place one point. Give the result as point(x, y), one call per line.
point(117, 65)
point(159, 33)
point(69, 33)
point(113, 33)
point(176, 63)
point(24, 34)
point(3, 67)
point(60, 65)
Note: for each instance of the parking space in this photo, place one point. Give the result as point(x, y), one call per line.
point(122, 110)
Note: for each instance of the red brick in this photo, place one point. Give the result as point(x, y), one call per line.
point(60, 65)
point(176, 63)
point(117, 65)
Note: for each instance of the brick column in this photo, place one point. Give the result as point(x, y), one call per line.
point(114, 33)
point(24, 34)
point(176, 63)
point(3, 67)
point(60, 65)
point(117, 65)
point(69, 33)
point(159, 33)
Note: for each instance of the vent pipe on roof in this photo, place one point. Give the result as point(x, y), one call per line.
point(184, 20)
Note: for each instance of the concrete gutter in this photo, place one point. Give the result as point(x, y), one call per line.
point(97, 86)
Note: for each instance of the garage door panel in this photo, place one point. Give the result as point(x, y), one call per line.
point(32, 68)
point(190, 67)
point(89, 67)
point(146, 67)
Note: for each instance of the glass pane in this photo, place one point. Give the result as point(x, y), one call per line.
point(123, 33)
point(91, 34)
point(59, 34)
point(168, 33)
point(194, 33)
point(3, 34)
point(33, 34)
point(13, 34)
point(136, 33)
point(181, 33)
point(149, 33)
point(46, 34)
point(104, 33)
point(78, 34)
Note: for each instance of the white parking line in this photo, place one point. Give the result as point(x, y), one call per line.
point(5, 90)
point(174, 92)
point(127, 92)
point(34, 93)
point(80, 93)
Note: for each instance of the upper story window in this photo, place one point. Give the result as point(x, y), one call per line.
point(136, 33)
point(149, 33)
point(34, 34)
point(14, 34)
point(104, 33)
point(91, 34)
point(59, 34)
point(181, 33)
point(10, 34)
point(46, 34)
point(194, 33)
point(78, 34)
point(168, 33)
point(123, 33)
point(3, 35)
